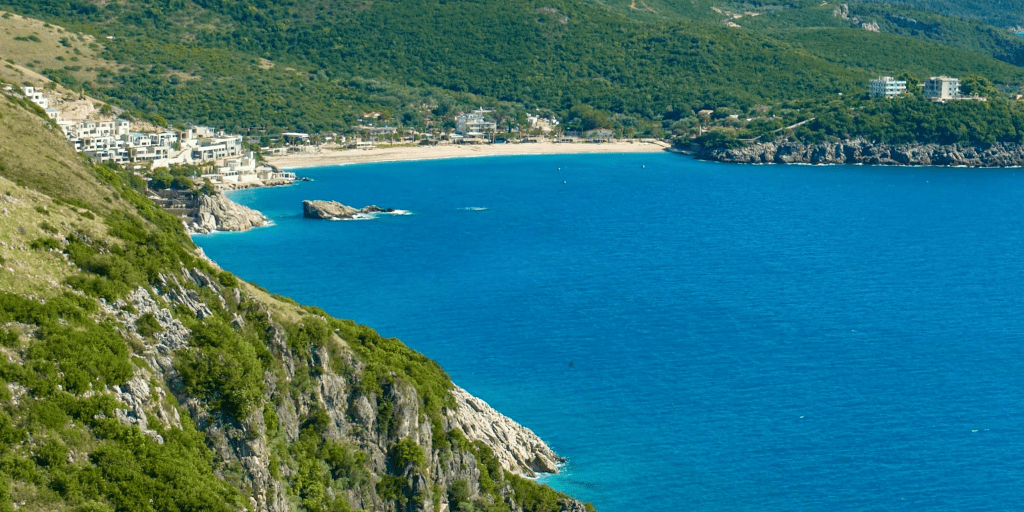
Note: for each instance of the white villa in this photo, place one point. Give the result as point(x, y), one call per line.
point(245, 170)
point(36, 96)
point(942, 88)
point(217, 148)
point(473, 124)
point(886, 86)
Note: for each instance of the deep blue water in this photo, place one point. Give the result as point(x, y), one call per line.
point(691, 335)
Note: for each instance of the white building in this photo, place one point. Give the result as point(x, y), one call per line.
point(269, 174)
point(148, 153)
point(36, 96)
point(114, 141)
point(942, 88)
point(217, 148)
point(474, 124)
point(886, 86)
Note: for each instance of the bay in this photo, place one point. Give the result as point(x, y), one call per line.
point(693, 335)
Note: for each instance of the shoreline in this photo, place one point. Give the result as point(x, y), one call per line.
point(333, 157)
point(862, 152)
point(231, 212)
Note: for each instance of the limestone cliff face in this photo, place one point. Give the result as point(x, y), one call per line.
point(336, 210)
point(517, 448)
point(354, 415)
point(218, 213)
point(859, 151)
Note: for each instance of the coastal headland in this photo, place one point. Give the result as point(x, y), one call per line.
point(326, 157)
point(859, 151)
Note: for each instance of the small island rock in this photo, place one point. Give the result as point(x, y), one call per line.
point(336, 210)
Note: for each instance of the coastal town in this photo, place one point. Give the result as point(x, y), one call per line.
point(225, 161)
point(229, 161)
point(233, 161)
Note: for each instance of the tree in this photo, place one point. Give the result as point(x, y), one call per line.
point(977, 85)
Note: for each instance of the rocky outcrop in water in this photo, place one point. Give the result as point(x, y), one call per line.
point(863, 152)
point(218, 213)
point(336, 210)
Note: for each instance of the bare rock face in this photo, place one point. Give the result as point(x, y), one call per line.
point(336, 210)
point(218, 213)
point(518, 449)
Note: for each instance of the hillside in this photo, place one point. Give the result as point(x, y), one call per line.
point(139, 376)
point(250, 66)
point(1002, 13)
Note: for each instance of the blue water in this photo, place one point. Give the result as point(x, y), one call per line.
point(691, 335)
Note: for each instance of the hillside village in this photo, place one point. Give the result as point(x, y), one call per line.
point(223, 155)
point(231, 162)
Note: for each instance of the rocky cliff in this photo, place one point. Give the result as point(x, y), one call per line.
point(137, 375)
point(333, 394)
point(863, 152)
point(336, 210)
point(218, 213)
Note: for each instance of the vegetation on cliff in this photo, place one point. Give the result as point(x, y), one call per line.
point(139, 376)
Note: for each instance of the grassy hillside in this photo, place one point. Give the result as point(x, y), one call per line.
point(140, 377)
point(42, 46)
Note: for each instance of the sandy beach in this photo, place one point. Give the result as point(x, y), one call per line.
point(325, 156)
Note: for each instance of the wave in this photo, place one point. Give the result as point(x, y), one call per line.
point(473, 208)
point(371, 216)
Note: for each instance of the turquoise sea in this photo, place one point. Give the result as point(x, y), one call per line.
point(693, 335)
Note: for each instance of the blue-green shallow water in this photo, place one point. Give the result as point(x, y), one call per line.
point(691, 335)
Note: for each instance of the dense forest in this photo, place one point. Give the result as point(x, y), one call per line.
point(1002, 13)
point(647, 68)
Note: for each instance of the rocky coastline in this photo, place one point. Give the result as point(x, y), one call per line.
point(331, 210)
point(859, 151)
point(516, 447)
point(218, 213)
point(352, 414)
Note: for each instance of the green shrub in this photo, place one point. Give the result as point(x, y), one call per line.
point(51, 454)
point(9, 338)
point(534, 497)
point(5, 481)
point(147, 325)
point(311, 332)
point(42, 210)
point(407, 452)
point(458, 496)
point(223, 368)
point(270, 419)
point(9, 434)
point(47, 227)
point(48, 413)
point(390, 488)
point(93, 506)
point(227, 280)
point(44, 243)
point(89, 355)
